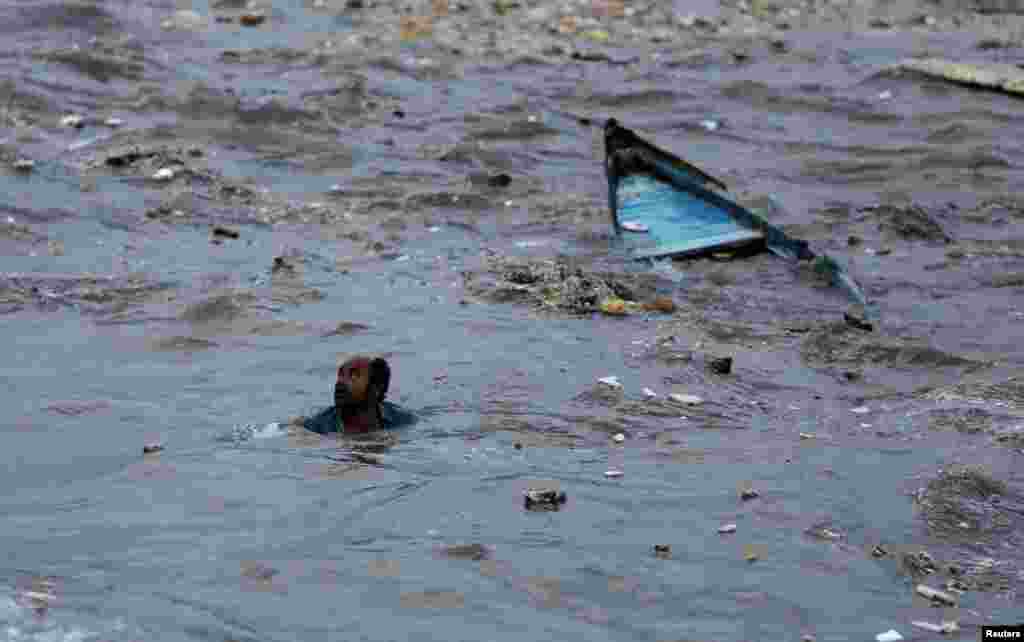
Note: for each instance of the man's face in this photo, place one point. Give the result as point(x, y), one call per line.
point(353, 383)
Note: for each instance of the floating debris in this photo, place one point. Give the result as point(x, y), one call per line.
point(860, 410)
point(948, 626)
point(614, 307)
point(878, 551)
point(226, 232)
point(650, 394)
point(543, 499)
point(252, 19)
point(113, 122)
point(610, 380)
point(151, 448)
point(807, 435)
point(611, 474)
point(720, 365)
point(892, 635)
point(750, 553)
point(858, 321)
point(686, 400)
point(474, 552)
point(920, 562)
point(72, 120)
point(935, 595)
point(725, 529)
point(164, 174)
point(618, 437)
point(24, 164)
point(749, 493)
point(662, 550)
point(1001, 77)
point(824, 532)
point(499, 180)
point(710, 125)
point(661, 304)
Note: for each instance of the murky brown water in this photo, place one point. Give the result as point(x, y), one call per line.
point(394, 160)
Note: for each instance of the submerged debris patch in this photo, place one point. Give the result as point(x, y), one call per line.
point(840, 344)
point(86, 293)
point(560, 285)
point(967, 502)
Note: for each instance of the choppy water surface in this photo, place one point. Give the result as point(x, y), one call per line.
point(364, 143)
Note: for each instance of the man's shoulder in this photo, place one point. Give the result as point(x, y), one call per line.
point(323, 422)
point(395, 416)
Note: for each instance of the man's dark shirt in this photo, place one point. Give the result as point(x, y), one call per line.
point(391, 416)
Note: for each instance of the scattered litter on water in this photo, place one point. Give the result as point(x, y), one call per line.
point(618, 437)
point(710, 125)
point(152, 448)
point(725, 529)
point(164, 174)
point(113, 122)
point(807, 435)
point(860, 410)
point(650, 394)
point(72, 120)
point(610, 380)
point(892, 635)
point(24, 164)
point(611, 474)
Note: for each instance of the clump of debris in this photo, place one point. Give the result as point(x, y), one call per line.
point(966, 502)
point(562, 285)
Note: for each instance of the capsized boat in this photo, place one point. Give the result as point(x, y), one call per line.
point(665, 206)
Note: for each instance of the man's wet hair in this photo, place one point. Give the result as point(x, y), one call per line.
point(380, 377)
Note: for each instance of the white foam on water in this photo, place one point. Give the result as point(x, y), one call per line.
point(273, 429)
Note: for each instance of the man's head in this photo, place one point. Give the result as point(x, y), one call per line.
point(362, 383)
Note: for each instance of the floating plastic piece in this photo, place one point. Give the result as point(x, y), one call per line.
point(949, 626)
point(613, 307)
point(543, 499)
point(610, 380)
point(892, 635)
point(618, 437)
point(612, 473)
point(686, 400)
point(635, 226)
point(725, 529)
point(935, 595)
